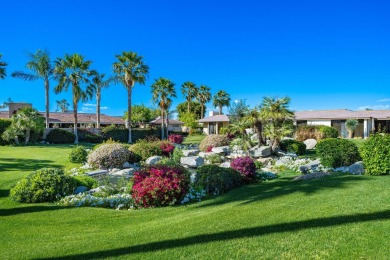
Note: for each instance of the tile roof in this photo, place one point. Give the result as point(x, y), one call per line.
point(216, 118)
point(157, 121)
point(342, 114)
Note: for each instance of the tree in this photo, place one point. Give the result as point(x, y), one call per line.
point(130, 69)
point(221, 99)
point(74, 71)
point(26, 120)
point(255, 118)
point(62, 105)
point(3, 65)
point(162, 91)
point(99, 82)
point(196, 109)
point(189, 91)
point(189, 120)
point(351, 125)
point(203, 96)
point(42, 68)
point(238, 109)
point(140, 114)
point(278, 118)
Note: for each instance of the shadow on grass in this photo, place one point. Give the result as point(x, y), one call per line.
point(20, 164)
point(28, 209)
point(282, 187)
point(4, 193)
point(233, 234)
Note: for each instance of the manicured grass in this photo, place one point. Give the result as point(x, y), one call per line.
point(337, 217)
point(358, 142)
point(194, 139)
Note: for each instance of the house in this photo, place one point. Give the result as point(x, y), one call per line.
point(213, 123)
point(368, 120)
point(173, 124)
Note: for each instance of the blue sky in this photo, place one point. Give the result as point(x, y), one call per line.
point(323, 54)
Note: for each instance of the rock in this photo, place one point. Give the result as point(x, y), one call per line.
point(124, 173)
point(255, 138)
point(192, 152)
point(205, 154)
point(192, 161)
point(249, 131)
point(311, 165)
point(221, 149)
point(126, 165)
point(310, 176)
point(283, 160)
point(262, 151)
point(356, 168)
point(225, 165)
point(80, 189)
point(98, 189)
point(310, 143)
point(96, 173)
point(42, 142)
point(287, 138)
point(153, 160)
point(265, 161)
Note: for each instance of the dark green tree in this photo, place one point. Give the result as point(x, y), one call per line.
point(221, 99)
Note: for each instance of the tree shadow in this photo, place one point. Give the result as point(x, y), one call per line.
point(282, 187)
point(233, 234)
point(20, 164)
point(4, 193)
point(28, 209)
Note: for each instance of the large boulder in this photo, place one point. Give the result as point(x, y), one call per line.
point(206, 154)
point(225, 165)
point(310, 143)
point(311, 165)
point(356, 168)
point(221, 149)
point(153, 160)
point(80, 189)
point(124, 173)
point(192, 161)
point(262, 151)
point(190, 152)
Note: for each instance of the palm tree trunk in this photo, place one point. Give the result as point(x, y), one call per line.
point(98, 107)
point(188, 104)
point(162, 124)
point(259, 127)
point(129, 89)
point(220, 110)
point(27, 137)
point(76, 140)
point(47, 101)
point(202, 111)
point(167, 124)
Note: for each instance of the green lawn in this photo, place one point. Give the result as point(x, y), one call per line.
point(194, 139)
point(338, 217)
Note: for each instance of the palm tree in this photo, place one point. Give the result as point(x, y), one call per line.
point(62, 105)
point(203, 96)
point(130, 69)
point(99, 82)
point(255, 118)
point(189, 91)
point(278, 117)
point(221, 99)
point(42, 68)
point(162, 91)
point(351, 125)
point(2, 68)
point(73, 70)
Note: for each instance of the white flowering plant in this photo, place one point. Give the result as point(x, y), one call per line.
point(117, 201)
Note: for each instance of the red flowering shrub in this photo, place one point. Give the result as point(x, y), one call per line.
point(176, 139)
point(167, 148)
point(247, 168)
point(160, 185)
point(209, 149)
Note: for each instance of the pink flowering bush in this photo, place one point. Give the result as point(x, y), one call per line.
point(247, 168)
point(176, 139)
point(167, 148)
point(160, 185)
point(209, 149)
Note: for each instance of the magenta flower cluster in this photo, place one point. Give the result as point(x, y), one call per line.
point(167, 148)
point(176, 139)
point(246, 166)
point(160, 185)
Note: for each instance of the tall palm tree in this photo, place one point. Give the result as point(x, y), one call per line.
point(62, 105)
point(278, 117)
point(130, 69)
point(256, 119)
point(42, 68)
point(162, 91)
point(99, 82)
point(203, 96)
point(3, 66)
point(189, 91)
point(221, 99)
point(73, 70)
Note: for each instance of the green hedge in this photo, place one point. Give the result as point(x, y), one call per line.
point(122, 135)
point(294, 146)
point(376, 154)
point(4, 123)
point(60, 136)
point(335, 152)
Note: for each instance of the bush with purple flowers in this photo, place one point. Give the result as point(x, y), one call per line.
point(176, 139)
point(247, 168)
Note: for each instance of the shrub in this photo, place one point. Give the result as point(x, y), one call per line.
point(87, 136)
point(44, 185)
point(60, 136)
point(317, 132)
point(121, 134)
point(247, 168)
point(109, 156)
point(176, 139)
point(78, 154)
point(4, 124)
point(160, 185)
point(214, 158)
point(85, 180)
point(216, 180)
point(209, 149)
point(259, 165)
point(327, 132)
point(376, 155)
point(166, 148)
point(293, 146)
point(145, 149)
point(213, 141)
point(335, 152)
